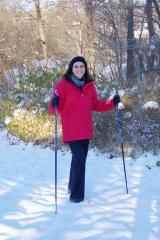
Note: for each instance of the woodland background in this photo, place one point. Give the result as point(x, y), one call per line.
point(121, 43)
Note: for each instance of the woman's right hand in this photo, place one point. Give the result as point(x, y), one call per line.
point(55, 101)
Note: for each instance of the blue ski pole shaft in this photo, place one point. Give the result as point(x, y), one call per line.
point(56, 149)
point(121, 142)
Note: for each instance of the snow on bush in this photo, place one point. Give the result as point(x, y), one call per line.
point(151, 104)
point(7, 120)
point(128, 115)
point(18, 112)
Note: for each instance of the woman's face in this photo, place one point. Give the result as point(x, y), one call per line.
point(78, 69)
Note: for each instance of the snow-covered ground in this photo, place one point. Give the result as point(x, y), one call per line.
point(108, 213)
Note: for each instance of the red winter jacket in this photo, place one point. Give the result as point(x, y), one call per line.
point(75, 108)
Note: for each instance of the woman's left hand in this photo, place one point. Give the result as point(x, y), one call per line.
point(116, 99)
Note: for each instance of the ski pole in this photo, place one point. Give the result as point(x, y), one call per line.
point(121, 142)
point(56, 149)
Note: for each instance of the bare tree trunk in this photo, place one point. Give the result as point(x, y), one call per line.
point(151, 55)
point(46, 11)
point(41, 31)
point(118, 52)
point(1, 74)
point(149, 18)
point(130, 41)
point(157, 8)
point(80, 46)
point(90, 54)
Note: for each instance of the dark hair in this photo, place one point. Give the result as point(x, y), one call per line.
point(70, 66)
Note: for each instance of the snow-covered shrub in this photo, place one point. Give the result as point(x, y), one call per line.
point(151, 106)
point(6, 110)
point(140, 124)
point(156, 92)
point(36, 87)
point(105, 130)
point(25, 111)
point(32, 126)
point(130, 100)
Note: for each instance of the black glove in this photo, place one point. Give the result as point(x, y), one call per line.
point(116, 99)
point(55, 101)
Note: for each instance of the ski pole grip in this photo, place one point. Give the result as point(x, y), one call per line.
point(119, 105)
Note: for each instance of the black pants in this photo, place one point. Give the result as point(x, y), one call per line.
point(76, 185)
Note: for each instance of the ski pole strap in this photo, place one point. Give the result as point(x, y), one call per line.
point(55, 128)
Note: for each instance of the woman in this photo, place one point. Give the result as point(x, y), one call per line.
point(75, 98)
